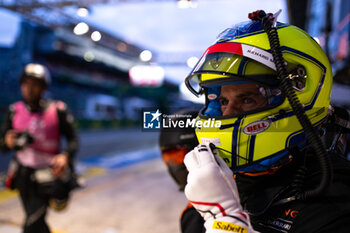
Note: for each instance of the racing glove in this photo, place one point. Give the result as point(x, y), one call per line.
point(213, 192)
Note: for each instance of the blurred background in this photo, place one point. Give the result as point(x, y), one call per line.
point(109, 59)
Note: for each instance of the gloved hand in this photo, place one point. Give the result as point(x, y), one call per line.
point(213, 192)
point(59, 164)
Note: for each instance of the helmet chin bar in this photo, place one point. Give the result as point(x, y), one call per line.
point(288, 90)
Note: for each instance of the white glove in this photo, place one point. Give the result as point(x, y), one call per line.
point(213, 192)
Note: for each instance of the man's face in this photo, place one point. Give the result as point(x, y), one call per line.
point(32, 89)
point(235, 99)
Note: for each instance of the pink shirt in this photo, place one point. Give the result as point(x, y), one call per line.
point(44, 127)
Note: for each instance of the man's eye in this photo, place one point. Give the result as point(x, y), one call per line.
point(223, 101)
point(248, 101)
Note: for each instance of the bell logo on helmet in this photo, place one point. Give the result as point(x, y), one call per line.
point(256, 127)
point(212, 96)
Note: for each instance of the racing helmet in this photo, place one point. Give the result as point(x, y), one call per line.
point(260, 135)
point(36, 71)
point(175, 143)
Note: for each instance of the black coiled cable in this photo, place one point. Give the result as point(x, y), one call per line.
point(287, 88)
point(299, 180)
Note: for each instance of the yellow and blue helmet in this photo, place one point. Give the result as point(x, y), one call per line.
point(260, 136)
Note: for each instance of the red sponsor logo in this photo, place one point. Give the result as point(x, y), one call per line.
point(212, 96)
point(256, 127)
point(291, 213)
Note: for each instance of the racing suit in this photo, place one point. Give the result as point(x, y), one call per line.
point(45, 124)
point(264, 198)
point(191, 221)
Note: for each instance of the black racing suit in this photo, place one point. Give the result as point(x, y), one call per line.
point(191, 221)
point(33, 196)
point(329, 212)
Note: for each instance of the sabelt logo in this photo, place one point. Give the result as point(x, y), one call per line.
point(230, 227)
point(256, 127)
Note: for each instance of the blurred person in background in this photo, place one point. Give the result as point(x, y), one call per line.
point(276, 163)
point(40, 170)
point(174, 144)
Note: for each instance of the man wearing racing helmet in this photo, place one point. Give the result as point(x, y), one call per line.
point(268, 84)
point(41, 171)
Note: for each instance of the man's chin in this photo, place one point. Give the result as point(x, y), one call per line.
point(32, 101)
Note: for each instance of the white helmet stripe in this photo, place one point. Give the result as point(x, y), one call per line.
point(252, 52)
point(258, 55)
